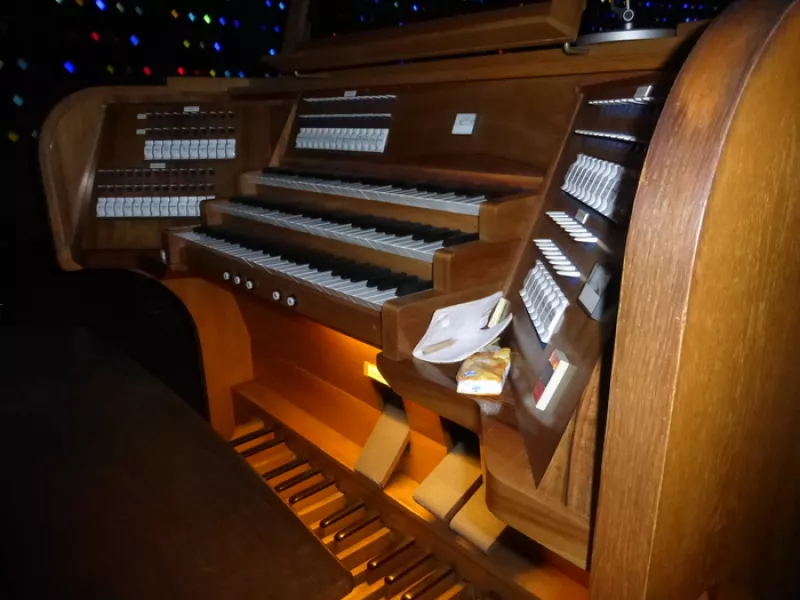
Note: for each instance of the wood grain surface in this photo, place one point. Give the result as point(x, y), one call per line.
point(698, 473)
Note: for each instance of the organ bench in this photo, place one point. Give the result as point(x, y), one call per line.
point(635, 202)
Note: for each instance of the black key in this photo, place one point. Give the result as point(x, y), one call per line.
point(459, 238)
point(412, 287)
point(394, 282)
point(385, 282)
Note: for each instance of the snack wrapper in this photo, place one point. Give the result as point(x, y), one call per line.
point(484, 373)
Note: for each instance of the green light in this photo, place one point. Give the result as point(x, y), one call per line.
point(207, 19)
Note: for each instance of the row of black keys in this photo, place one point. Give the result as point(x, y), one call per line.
point(422, 186)
point(419, 231)
point(375, 276)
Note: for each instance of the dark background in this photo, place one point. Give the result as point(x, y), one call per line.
point(51, 48)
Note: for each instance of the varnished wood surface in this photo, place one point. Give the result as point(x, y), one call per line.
point(114, 488)
point(698, 490)
point(546, 22)
point(612, 60)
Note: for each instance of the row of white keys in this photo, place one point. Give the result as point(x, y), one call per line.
point(447, 202)
point(322, 280)
point(401, 245)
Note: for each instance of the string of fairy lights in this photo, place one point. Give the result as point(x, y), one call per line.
point(55, 47)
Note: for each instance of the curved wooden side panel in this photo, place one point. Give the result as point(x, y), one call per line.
point(68, 154)
point(700, 468)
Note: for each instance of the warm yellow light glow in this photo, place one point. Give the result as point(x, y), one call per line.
point(372, 372)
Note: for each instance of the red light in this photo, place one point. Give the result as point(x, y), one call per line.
point(500, 52)
point(95, 36)
point(147, 71)
point(181, 71)
point(197, 72)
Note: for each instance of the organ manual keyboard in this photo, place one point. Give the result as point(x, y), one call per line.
point(632, 209)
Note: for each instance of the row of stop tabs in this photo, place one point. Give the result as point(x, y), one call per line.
point(190, 149)
point(150, 207)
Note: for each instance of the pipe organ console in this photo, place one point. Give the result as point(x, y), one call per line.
point(634, 202)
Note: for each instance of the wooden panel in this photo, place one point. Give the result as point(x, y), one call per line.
point(476, 523)
point(698, 470)
point(510, 145)
point(385, 446)
point(224, 343)
point(513, 496)
point(543, 23)
point(329, 355)
point(604, 62)
point(450, 484)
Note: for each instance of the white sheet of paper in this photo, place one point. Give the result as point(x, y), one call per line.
point(463, 323)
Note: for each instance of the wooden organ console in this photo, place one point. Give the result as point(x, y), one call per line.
point(635, 202)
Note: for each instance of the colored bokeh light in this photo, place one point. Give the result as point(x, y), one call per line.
point(70, 68)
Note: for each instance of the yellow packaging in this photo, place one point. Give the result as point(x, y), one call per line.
point(484, 373)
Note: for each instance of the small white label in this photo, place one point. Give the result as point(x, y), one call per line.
point(191, 109)
point(141, 116)
point(157, 166)
point(464, 123)
point(643, 92)
point(350, 93)
point(141, 132)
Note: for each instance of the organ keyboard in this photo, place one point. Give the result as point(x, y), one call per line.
point(313, 225)
point(424, 196)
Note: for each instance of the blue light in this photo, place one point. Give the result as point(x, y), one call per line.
point(222, 21)
point(272, 52)
point(236, 23)
point(415, 8)
point(191, 17)
point(22, 64)
point(17, 99)
point(263, 28)
point(139, 11)
point(269, 3)
point(241, 74)
point(217, 47)
point(400, 23)
point(647, 4)
point(685, 6)
point(227, 73)
point(277, 29)
point(69, 67)
point(362, 18)
point(281, 5)
point(688, 19)
point(134, 40)
point(100, 4)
